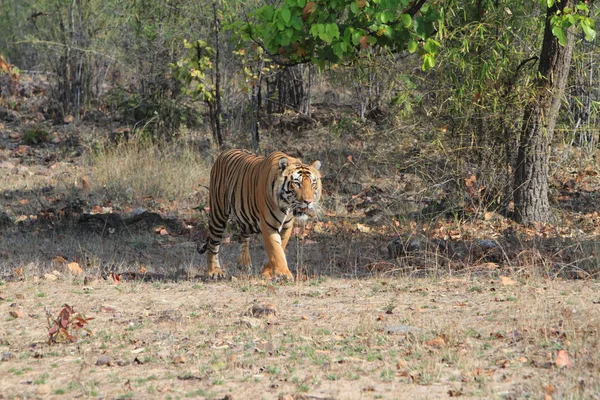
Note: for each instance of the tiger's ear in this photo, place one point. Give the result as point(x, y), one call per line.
point(283, 163)
point(316, 165)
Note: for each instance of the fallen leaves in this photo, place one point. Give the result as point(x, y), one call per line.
point(62, 328)
point(506, 281)
point(437, 342)
point(74, 268)
point(563, 359)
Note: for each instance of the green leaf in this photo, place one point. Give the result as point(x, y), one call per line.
point(286, 15)
point(550, 3)
point(588, 31)
point(411, 46)
point(406, 20)
point(267, 12)
point(431, 46)
point(560, 35)
point(354, 7)
point(301, 3)
point(428, 62)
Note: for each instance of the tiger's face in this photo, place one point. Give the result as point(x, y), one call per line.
point(300, 188)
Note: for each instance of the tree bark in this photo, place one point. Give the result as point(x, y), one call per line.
point(531, 174)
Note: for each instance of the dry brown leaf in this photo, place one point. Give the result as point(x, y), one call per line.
point(59, 260)
point(470, 181)
point(74, 268)
point(437, 342)
point(309, 8)
point(178, 359)
point(361, 3)
point(549, 389)
point(506, 281)
point(18, 272)
point(363, 228)
point(364, 42)
point(17, 313)
point(69, 119)
point(85, 183)
point(563, 359)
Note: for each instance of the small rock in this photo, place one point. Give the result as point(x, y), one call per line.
point(7, 165)
point(7, 355)
point(20, 296)
point(104, 360)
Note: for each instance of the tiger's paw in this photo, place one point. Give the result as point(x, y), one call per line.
point(277, 275)
point(216, 274)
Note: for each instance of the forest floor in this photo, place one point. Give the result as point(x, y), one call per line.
point(403, 288)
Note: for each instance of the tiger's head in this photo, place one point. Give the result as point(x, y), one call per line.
point(300, 187)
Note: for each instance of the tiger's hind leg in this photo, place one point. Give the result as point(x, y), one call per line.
point(216, 229)
point(244, 261)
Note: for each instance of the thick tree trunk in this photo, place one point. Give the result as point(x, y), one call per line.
point(531, 174)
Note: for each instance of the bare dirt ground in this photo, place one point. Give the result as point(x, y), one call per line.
point(329, 338)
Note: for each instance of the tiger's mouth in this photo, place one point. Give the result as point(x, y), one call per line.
point(300, 211)
point(304, 212)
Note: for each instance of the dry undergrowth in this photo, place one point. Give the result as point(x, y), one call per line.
point(474, 337)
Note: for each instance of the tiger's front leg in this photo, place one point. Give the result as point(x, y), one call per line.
point(277, 266)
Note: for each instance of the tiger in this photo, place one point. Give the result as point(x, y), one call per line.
point(262, 195)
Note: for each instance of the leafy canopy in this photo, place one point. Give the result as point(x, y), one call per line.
point(334, 31)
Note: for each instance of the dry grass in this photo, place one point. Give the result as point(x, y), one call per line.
point(168, 172)
point(329, 338)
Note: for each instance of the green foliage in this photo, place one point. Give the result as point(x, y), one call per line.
point(334, 31)
point(191, 70)
point(568, 17)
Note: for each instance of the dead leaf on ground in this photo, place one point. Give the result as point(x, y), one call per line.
point(507, 281)
point(59, 260)
point(363, 228)
point(437, 342)
point(74, 268)
point(18, 272)
point(178, 359)
point(85, 183)
point(563, 359)
point(68, 119)
point(17, 314)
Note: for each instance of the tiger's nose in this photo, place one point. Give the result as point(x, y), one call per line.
point(309, 202)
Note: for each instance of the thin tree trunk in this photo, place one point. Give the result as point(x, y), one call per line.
point(531, 175)
point(218, 110)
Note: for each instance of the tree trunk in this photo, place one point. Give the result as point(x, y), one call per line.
point(218, 135)
point(531, 175)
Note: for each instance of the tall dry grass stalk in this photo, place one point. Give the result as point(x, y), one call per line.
point(167, 171)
